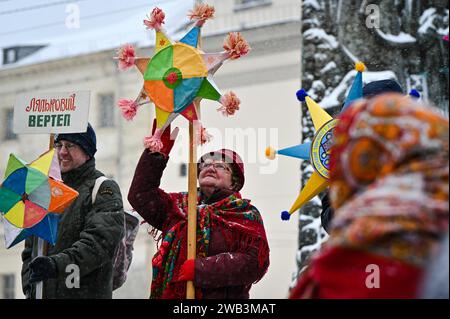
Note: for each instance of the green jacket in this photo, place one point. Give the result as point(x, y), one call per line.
point(88, 236)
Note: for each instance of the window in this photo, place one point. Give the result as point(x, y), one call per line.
point(106, 112)
point(9, 56)
point(16, 53)
point(183, 170)
point(8, 133)
point(248, 4)
point(7, 286)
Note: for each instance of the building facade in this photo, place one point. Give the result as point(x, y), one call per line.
point(266, 81)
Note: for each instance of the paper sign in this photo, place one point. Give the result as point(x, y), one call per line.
point(60, 112)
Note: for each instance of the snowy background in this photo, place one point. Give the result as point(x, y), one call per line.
point(406, 46)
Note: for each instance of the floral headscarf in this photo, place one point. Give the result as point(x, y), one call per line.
point(389, 178)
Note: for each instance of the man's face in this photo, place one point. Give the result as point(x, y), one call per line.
point(70, 155)
point(215, 174)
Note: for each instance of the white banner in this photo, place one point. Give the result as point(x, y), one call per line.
point(60, 112)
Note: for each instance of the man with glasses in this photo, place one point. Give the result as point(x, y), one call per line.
point(88, 233)
point(232, 249)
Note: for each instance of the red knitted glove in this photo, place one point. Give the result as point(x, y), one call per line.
point(167, 138)
point(187, 270)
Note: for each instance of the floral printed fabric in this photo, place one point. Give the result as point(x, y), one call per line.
point(389, 178)
point(240, 218)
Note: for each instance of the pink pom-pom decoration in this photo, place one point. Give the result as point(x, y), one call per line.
point(445, 38)
point(235, 45)
point(205, 137)
point(128, 108)
point(230, 104)
point(156, 19)
point(126, 56)
point(201, 12)
point(154, 143)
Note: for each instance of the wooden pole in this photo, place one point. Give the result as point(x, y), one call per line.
point(42, 246)
point(192, 189)
point(192, 206)
point(40, 252)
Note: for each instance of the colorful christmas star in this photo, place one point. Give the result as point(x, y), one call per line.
point(179, 72)
point(30, 195)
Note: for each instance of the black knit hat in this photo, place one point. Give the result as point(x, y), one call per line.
point(87, 140)
point(383, 86)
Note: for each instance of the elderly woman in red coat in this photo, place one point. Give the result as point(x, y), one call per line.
point(232, 248)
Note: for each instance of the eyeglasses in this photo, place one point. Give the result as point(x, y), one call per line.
point(217, 166)
point(68, 146)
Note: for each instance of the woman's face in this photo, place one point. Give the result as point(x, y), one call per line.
point(215, 175)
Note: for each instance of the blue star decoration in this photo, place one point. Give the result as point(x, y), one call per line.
point(318, 150)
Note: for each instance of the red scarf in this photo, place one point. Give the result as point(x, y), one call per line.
point(243, 229)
